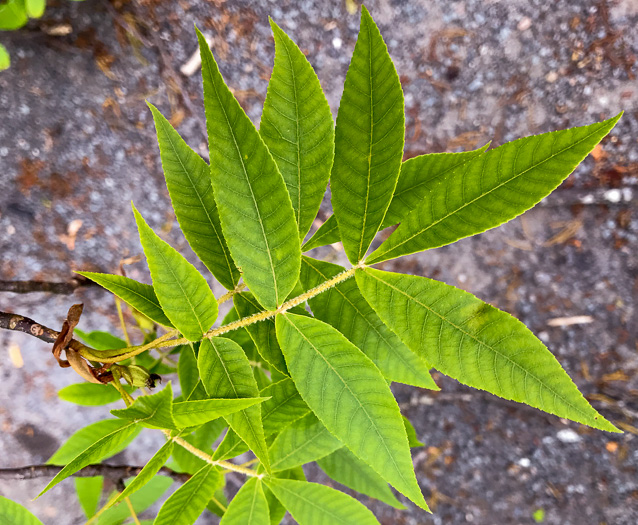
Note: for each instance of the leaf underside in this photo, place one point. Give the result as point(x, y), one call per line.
point(249, 506)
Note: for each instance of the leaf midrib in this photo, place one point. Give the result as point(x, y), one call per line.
point(372, 422)
point(241, 160)
point(381, 254)
point(201, 201)
point(482, 343)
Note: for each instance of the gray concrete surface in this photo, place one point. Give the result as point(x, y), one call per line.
point(77, 144)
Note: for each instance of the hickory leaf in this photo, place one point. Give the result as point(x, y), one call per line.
point(344, 467)
point(182, 291)
point(492, 189)
point(226, 373)
point(344, 308)
point(191, 413)
point(153, 411)
point(284, 406)
point(188, 182)
point(15, 514)
point(89, 394)
point(248, 507)
point(298, 129)
point(85, 437)
point(147, 473)
point(368, 141)
point(475, 343)
point(303, 441)
point(418, 176)
point(140, 296)
point(89, 491)
point(350, 397)
point(314, 504)
point(106, 446)
point(256, 213)
point(184, 506)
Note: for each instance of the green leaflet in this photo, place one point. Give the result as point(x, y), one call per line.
point(303, 441)
point(344, 308)
point(153, 411)
point(85, 437)
point(277, 510)
point(368, 141)
point(182, 291)
point(314, 504)
point(89, 491)
point(15, 514)
point(140, 296)
point(328, 233)
point(226, 373)
point(106, 446)
point(350, 397)
point(475, 343)
point(413, 439)
point(345, 468)
point(192, 413)
point(231, 446)
point(284, 406)
point(262, 333)
point(249, 506)
point(140, 500)
point(254, 206)
point(5, 58)
point(492, 189)
point(89, 394)
point(419, 176)
point(187, 370)
point(298, 129)
point(35, 8)
point(184, 506)
point(147, 473)
point(188, 181)
point(12, 15)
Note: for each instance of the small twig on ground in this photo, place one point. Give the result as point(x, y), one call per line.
point(112, 472)
point(65, 288)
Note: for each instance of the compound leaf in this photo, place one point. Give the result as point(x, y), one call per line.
point(303, 441)
point(346, 468)
point(314, 504)
point(103, 447)
point(256, 213)
point(298, 129)
point(368, 141)
point(475, 343)
point(350, 397)
point(138, 295)
point(188, 182)
point(226, 373)
point(15, 514)
point(184, 506)
point(248, 507)
point(344, 308)
point(492, 189)
point(182, 291)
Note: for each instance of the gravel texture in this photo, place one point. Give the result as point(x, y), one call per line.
point(77, 145)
